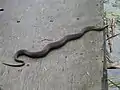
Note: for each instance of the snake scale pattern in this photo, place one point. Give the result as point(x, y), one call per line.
point(51, 46)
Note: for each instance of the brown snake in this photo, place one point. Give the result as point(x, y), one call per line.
point(52, 46)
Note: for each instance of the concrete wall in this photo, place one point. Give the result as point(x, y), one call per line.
point(31, 24)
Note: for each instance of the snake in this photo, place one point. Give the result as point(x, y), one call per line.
point(51, 46)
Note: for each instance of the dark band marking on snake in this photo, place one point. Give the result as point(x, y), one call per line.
point(51, 46)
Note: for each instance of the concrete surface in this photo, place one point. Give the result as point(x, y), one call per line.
point(31, 24)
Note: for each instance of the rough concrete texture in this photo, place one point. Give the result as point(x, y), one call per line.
point(31, 24)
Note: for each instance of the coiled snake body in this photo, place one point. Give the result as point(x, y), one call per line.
point(52, 46)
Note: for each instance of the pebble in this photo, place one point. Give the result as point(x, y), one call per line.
point(1, 9)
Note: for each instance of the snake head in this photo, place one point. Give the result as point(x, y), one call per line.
point(95, 28)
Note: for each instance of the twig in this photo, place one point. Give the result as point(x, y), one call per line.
point(108, 59)
point(112, 36)
point(114, 83)
point(109, 42)
point(112, 26)
point(114, 65)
